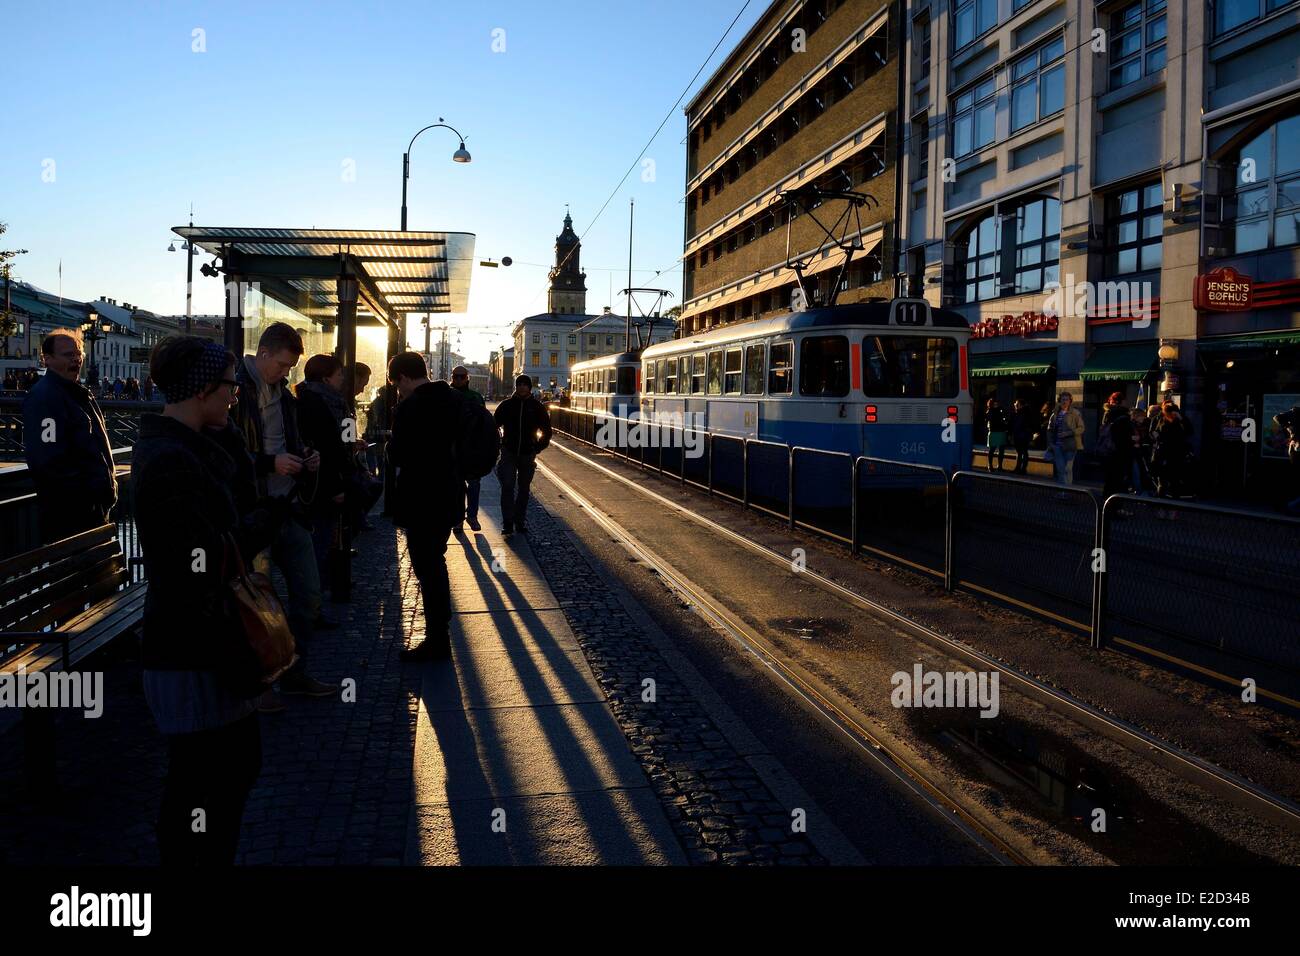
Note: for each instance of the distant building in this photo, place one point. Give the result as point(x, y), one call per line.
point(501, 369)
point(548, 344)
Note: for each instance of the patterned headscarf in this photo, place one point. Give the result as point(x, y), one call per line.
point(201, 371)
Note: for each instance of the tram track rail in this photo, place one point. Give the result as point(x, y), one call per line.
point(1188, 766)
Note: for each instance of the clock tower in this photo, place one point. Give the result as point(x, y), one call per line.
point(567, 294)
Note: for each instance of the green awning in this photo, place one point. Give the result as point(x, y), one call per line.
point(991, 364)
point(1257, 340)
point(1129, 362)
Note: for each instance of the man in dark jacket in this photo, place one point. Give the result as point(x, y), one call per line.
point(460, 382)
point(266, 415)
point(1116, 445)
point(67, 445)
point(525, 431)
point(428, 495)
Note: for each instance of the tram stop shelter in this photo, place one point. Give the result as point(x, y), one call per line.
point(331, 281)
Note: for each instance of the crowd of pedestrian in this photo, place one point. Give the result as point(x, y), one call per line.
point(241, 472)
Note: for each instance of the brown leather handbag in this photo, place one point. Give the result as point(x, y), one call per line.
point(252, 601)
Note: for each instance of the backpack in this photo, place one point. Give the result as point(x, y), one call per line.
point(477, 441)
point(1105, 443)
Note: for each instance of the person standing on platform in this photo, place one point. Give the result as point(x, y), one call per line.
point(1023, 425)
point(321, 414)
point(460, 382)
point(996, 421)
point(66, 444)
point(1065, 438)
point(525, 432)
point(428, 497)
point(266, 415)
point(1115, 445)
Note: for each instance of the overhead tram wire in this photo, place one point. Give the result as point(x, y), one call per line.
point(655, 135)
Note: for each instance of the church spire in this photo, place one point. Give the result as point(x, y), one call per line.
point(568, 290)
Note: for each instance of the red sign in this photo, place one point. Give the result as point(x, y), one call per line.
point(1224, 290)
point(1023, 324)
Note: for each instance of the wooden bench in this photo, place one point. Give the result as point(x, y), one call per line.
point(59, 604)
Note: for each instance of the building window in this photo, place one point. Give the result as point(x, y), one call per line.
point(921, 30)
point(573, 357)
point(972, 18)
point(755, 363)
point(555, 338)
point(1230, 14)
point(537, 358)
point(609, 341)
point(1038, 85)
point(1138, 45)
point(1038, 244)
point(573, 340)
point(1263, 210)
point(921, 146)
point(537, 338)
point(555, 359)
point(981, 261)
point(973, 114)
point(1134, 229)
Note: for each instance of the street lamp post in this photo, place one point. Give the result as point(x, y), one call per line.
point(93, 330)
point(460, 156)
point(192, 250)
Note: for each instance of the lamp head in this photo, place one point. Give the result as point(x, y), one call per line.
point(461, 155)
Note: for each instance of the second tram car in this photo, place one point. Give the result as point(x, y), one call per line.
point(610, 384)
point(881, 379)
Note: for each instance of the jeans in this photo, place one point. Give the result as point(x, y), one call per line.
point(427, 549)
point(294, 553)
point(514, 493)
point(1063, 465)
point(471, 499)
point(212, 771)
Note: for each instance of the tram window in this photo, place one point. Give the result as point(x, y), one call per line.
point(649, 376)
point(697, 374)
point(610, 381)
point(779, 379)
point(824, 366)
point(909, 366)
point(670, 376)
point(715, 373)
point(627, 380)
point(731, 377)
point(755, 361)
point(662, 384)
point(684, 375)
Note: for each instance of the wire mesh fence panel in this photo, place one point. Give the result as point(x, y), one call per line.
point(1027, 542)
point(902, 512)
point(1207, 577)
point(729, 466)
point(823, 491)
point(695, 463)
point(768, 476)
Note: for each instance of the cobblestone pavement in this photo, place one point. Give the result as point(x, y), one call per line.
point(718, 806)
point(335, 785)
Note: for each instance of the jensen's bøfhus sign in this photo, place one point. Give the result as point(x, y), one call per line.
point(1223, 290)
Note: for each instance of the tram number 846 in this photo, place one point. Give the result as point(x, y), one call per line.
point(908, 448)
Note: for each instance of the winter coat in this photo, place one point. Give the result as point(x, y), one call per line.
point(321, 411)
point(521, 419)
point(427, 493)
point(78, 461)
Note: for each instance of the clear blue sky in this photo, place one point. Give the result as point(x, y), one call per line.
point(257, 129)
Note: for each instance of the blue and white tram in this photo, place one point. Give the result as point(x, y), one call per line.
point(610, 383)
point(882, 379)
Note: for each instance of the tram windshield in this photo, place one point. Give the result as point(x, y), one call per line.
point(908, 366)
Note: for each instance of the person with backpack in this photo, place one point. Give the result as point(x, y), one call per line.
point(1115, 445)
point(1064, 438)
point(427, 491)
point(460, 382)
point(1170, 451)
point(525, 432)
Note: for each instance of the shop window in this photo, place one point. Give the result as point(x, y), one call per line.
point(1134, 229)
point(1038, 85)
point(779, 377)
point(1137, 47)
point(907, 366)
point(1263, 209)
point(824, 365)
point(974, 111)
point(971, 19)
point(1230, 14)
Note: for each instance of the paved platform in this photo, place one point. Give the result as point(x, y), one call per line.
point(518, 757)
